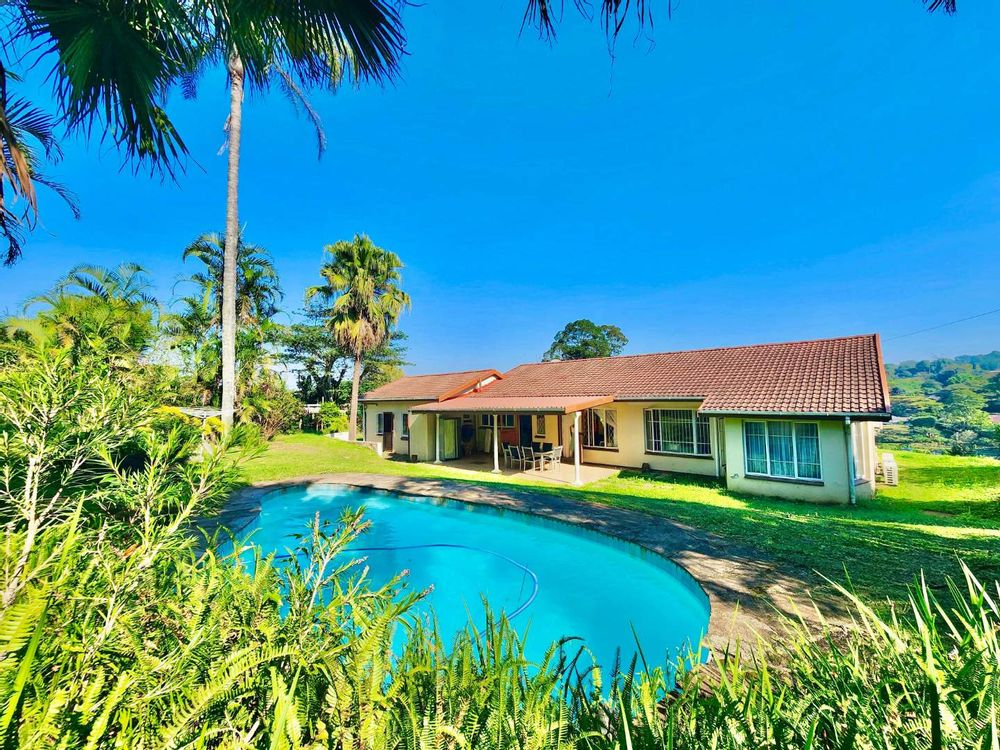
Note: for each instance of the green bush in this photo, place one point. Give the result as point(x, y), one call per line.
point(271, 407)
point(331, 418)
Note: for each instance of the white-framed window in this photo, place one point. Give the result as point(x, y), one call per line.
point(379, 423)
point(683, 431)
point(406, 426)
point(506, 421)
point(599, 428)
point(540, 425)
point(485, 420)
point(783, 449)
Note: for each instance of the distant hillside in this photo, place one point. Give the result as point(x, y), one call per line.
point(944, 405)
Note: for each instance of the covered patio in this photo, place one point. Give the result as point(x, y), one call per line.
point(564, 473)
point(547, 425)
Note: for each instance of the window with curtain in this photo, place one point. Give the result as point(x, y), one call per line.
point(540, 426)
point(678, 431)
point(599, 428)
point(788, 450)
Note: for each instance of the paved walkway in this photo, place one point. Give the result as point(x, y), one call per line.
point(748, 594)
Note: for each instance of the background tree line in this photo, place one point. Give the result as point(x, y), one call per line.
point(173, 351)
point(945, 405)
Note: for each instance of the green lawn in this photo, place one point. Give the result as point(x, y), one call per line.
point(945, 508)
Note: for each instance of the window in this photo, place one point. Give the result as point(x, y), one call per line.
point(788, 450)
point(506, 421)
point(379, 420)
point(406, 426)
point(600, 428)
point(540, 425)
point(678, 431)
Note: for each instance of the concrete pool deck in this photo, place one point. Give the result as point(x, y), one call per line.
point(749, 596)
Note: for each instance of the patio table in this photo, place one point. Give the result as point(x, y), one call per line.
point(551, 455)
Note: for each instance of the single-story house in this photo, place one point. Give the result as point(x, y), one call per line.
point(794, 420)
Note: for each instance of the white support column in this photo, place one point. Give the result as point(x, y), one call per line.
point(576, 448)
point(496, 444)
point(437, 438)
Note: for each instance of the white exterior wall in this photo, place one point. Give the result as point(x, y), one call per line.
point(421, 428)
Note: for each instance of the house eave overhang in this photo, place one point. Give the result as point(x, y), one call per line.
point(517, 404)
point(380, 399)
point(861, 416)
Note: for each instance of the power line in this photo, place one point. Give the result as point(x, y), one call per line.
point(944, 325)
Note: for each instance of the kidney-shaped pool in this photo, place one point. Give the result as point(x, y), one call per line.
point(553, 579)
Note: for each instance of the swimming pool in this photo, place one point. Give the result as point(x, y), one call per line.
point(551, 578)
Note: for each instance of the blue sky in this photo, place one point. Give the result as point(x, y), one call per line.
point(760, 173)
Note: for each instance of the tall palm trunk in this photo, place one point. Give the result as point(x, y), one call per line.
point(232, 240)
point(352, 428)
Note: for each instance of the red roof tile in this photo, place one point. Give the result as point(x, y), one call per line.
point(429, 387)
point(504, 404)
point(828, 376)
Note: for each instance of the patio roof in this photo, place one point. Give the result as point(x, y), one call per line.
point(481, 403)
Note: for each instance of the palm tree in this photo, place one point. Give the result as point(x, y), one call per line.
point(26, 139)
point(196, 330)
point(257, 289)
point(361, 286)
point(304, 44)
point(189, 332)
point(127, 284)
point(96, 311)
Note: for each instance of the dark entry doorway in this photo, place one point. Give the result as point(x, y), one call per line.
point(387, 432)
point(524, 428)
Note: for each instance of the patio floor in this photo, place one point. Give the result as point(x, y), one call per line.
point(559, 474)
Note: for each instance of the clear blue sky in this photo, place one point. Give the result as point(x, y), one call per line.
point(767, 171)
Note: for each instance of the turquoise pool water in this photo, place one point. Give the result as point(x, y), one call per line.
point(551, 578)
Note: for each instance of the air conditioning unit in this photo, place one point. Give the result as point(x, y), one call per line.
point(890, 471)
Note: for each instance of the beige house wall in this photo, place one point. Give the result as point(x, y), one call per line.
point(631, 451)
point(833, 487)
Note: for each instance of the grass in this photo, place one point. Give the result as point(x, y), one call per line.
point(945, 508)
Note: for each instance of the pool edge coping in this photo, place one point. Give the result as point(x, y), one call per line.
point(749, 598)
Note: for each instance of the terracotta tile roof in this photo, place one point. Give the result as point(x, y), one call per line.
point(429, 387)
point(503, 404)
point(837, 376)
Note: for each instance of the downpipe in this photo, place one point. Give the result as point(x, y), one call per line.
point(852, 497)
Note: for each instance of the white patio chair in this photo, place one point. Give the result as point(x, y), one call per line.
point(555, 455)
point(508, 454)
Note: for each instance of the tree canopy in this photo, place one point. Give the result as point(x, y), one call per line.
point(583, 339)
